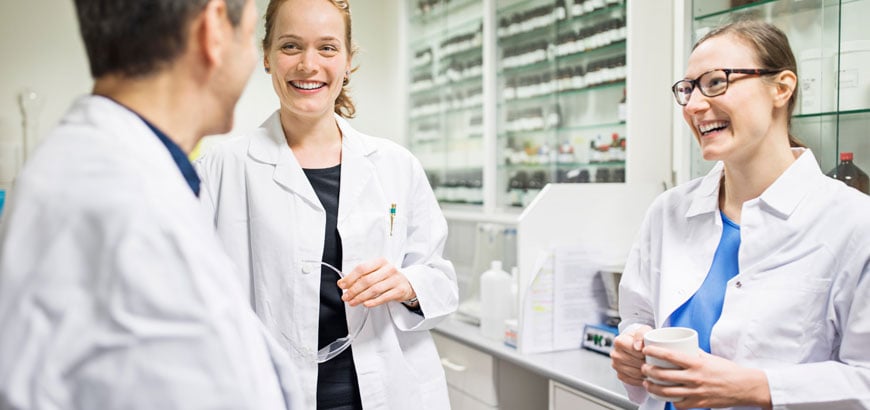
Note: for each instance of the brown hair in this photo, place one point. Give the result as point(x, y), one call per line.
point(343, 104)
point(771, 49)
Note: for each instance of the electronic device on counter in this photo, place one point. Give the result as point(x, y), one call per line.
point(598, 337)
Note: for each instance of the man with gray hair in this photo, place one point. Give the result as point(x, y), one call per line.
point(114, 291)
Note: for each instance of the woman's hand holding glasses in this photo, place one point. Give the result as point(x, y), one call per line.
point(374, 283)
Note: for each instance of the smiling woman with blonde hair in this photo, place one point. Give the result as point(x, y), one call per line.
point(307, 188)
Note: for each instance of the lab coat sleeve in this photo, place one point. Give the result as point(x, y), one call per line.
point(432, 277)
point(171, 336)
point(635, 291)
point(843, 384)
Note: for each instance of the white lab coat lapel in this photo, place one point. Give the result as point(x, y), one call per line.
point(356, 169)
point(271, 148)
point(682, 273)
point(359, 185)
point(764, 220)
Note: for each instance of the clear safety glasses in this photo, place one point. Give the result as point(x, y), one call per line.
point(341, 344)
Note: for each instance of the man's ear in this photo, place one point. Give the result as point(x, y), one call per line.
point(211, 31)
point(786, 82)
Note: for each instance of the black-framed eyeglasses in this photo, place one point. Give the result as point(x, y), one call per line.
point(712, 83)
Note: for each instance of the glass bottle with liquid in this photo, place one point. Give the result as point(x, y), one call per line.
point(849, 173)
point(621, 108)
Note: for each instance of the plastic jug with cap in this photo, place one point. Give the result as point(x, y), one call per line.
point(495, 301)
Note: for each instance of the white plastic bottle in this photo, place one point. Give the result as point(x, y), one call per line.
point(495, 301)
point(515, 274)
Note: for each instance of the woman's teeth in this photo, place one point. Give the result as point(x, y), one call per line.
point(307, 85)
point(712, 126)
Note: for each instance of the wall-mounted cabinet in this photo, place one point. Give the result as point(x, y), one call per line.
point(445, 96)
point(561, 95)
point(831, 42)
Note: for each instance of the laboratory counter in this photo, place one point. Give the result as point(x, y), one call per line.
point(583, 370)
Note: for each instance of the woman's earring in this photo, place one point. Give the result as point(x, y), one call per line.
point(346, 77)
point(267, 69)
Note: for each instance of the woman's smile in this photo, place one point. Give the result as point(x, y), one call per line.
point(306, 86)
point(712, 128)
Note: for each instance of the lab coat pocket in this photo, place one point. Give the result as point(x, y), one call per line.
point(789, 308)
point(362, 234)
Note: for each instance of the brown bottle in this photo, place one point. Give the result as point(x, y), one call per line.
point(853, 176)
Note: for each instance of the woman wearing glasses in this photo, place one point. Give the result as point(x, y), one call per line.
point(765, 257)
point(307, 188)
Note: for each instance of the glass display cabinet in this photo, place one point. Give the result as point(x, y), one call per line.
point(445, 96)
point(831, 42)
point(561, 70)
point(506, 96)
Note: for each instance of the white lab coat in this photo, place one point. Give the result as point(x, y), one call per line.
point(800, 306)
point(271, 220)
point(114, 289)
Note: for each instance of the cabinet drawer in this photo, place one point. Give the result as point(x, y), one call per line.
point(468, 370)
point(565, 398)
point(460, 400)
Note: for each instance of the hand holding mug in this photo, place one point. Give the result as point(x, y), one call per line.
point(679, 339)
point(627, 355)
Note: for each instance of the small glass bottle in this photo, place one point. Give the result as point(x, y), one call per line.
point(849, 173)
point(620, 109)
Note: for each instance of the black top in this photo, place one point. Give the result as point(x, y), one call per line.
point(337, 384)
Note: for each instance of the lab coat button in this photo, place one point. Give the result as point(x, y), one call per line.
point(307, 268)
point(738, 284)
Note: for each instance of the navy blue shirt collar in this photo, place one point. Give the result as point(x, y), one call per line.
point(178, 156)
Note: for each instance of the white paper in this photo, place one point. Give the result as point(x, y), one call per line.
point(565, 294)
point(536, 320)
point(579, 294)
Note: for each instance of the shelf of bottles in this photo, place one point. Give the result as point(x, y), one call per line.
point(561, 95)
point(445, 118)
point(831, 43)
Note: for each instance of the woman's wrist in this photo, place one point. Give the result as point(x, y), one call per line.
point(758, 389)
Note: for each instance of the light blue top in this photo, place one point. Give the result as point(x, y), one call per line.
point(703, 309)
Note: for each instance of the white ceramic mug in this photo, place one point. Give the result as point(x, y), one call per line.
point(678, 339)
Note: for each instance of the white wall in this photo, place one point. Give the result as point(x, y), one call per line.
point(377, 86)
point(40, 48)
